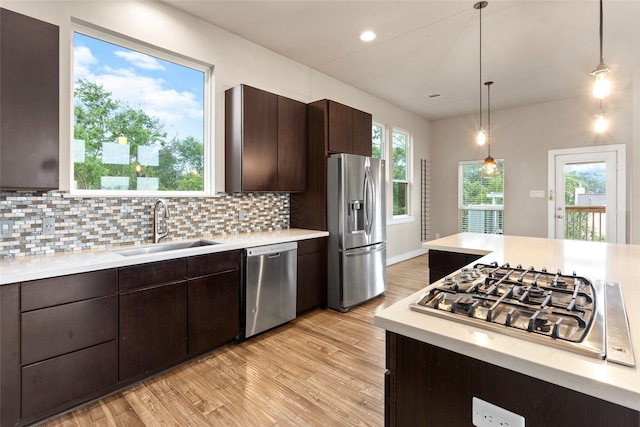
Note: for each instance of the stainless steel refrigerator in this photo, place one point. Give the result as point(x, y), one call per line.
point(357, 252)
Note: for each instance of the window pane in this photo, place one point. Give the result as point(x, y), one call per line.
point(399, 198)
point(138, 120)
point(480, 200)
point(400, 162)
point(377, 141)
point(399, 155)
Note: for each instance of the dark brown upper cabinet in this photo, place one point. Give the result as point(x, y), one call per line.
point(348, 130)
point(333, 128)
point(265, 142)
point(29, 87)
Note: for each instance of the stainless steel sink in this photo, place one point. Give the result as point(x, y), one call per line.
point(165, 247)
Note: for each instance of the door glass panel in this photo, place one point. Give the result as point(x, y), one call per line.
point(585, 201)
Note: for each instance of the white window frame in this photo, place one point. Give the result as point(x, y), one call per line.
point(485, 208)
point(409, 156)
point(208, 113)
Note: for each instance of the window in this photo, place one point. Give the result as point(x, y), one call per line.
point(480, 198)
point(400, 163)
point(377, 148)
point(139, 118)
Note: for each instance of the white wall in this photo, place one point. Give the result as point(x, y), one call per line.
point(522, 137)
point(235, 61)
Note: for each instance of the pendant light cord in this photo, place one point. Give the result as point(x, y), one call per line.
point(601, 24)
point(480, 61)
point(489, 117)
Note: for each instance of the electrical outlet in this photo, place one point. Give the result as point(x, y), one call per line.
point(241, 215)
point(485, 414)
point(437, 235)
point(48, 226)
point(536, 193)
point(6, 228)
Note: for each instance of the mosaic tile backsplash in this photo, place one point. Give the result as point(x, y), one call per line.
point(83, 223)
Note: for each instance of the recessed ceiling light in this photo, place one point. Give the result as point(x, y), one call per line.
point(367, 36)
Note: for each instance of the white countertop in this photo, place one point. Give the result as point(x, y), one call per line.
point(21, 269)
point(597, 261)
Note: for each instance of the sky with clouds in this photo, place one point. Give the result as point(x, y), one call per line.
point(172, 93)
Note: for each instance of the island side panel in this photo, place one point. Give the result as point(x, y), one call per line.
point(434, 386)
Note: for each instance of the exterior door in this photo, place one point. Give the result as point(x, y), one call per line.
point(586, 194)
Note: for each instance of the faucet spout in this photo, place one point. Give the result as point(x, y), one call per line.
point(160, 232)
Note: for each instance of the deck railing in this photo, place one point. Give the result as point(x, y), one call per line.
point(585, 223)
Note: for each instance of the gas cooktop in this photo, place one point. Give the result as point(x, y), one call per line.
point(560, 310)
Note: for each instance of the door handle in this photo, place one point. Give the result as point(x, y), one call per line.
point(559, 216)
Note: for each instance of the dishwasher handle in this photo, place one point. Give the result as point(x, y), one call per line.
point(272, 251)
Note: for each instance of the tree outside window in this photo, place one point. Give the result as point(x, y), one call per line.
point(400, 162)
point(377, 146)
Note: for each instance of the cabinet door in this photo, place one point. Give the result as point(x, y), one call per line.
point(362, 136)
point(340, 128)
point(214, 310)
point(292, 145)
point(251, 139)
point(312, 282)
point(153, 329)
point(29, 124)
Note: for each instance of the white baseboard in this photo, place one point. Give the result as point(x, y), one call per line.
point(405, 256)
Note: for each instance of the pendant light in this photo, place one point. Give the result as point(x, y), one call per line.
point(481, 134)
point(601, 123)
point(602, 85)
point(489, 166)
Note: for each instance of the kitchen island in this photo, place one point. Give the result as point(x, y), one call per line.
point(437, 365)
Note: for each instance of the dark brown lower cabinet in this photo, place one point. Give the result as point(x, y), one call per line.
point(426, 385)
point(153, 329)
point(214, 310)
point(443, 263)
point(70, 339)
point(60, 382)
point(311, 290)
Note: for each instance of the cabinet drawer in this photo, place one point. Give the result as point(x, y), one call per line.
point(65, 328)
point(63, 381)
point(155, 273)
point(310, 246)
point(203, 265)
point(64, 289)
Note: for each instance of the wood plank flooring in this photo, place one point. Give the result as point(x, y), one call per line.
point(323, 369)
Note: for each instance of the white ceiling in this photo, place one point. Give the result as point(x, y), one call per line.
point(534, 51)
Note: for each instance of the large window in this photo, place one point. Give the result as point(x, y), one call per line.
point(139, 118)
point(401, 159)
point(480, 198)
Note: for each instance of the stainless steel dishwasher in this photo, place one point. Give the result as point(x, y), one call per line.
point(270, 275)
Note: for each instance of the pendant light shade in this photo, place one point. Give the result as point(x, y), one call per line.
point(481, 134)
point(489, 166)
point(602, 85)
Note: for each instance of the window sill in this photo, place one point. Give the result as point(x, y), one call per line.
point(401, 220)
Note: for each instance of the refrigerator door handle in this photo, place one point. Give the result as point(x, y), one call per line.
point(368, 199)
point(366, 250)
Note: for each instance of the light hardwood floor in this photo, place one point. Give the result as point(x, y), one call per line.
point(323, 369)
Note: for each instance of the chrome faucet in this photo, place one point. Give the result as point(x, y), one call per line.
point(157, 234)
